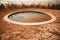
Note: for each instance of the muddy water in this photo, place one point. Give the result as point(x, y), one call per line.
point(29, 16)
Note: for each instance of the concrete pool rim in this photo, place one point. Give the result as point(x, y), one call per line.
point(53, 18)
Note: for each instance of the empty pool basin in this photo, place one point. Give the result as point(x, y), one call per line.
point(29, 18)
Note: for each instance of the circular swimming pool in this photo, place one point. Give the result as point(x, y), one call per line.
point(29, 18)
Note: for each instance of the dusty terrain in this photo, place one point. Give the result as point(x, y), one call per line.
point(9, 31)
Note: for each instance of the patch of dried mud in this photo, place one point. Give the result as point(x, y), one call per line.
point(49, 31)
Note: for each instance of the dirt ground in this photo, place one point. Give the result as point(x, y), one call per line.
point(50, 31)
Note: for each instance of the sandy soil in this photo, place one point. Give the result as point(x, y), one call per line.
point(9, 31)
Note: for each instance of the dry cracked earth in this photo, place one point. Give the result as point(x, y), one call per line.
point(50, 31)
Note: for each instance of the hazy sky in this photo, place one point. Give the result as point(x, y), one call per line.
point(29, 2)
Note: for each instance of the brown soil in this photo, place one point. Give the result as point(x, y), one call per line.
point(9, 31)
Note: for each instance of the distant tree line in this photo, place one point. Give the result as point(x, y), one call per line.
point(16, 6)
